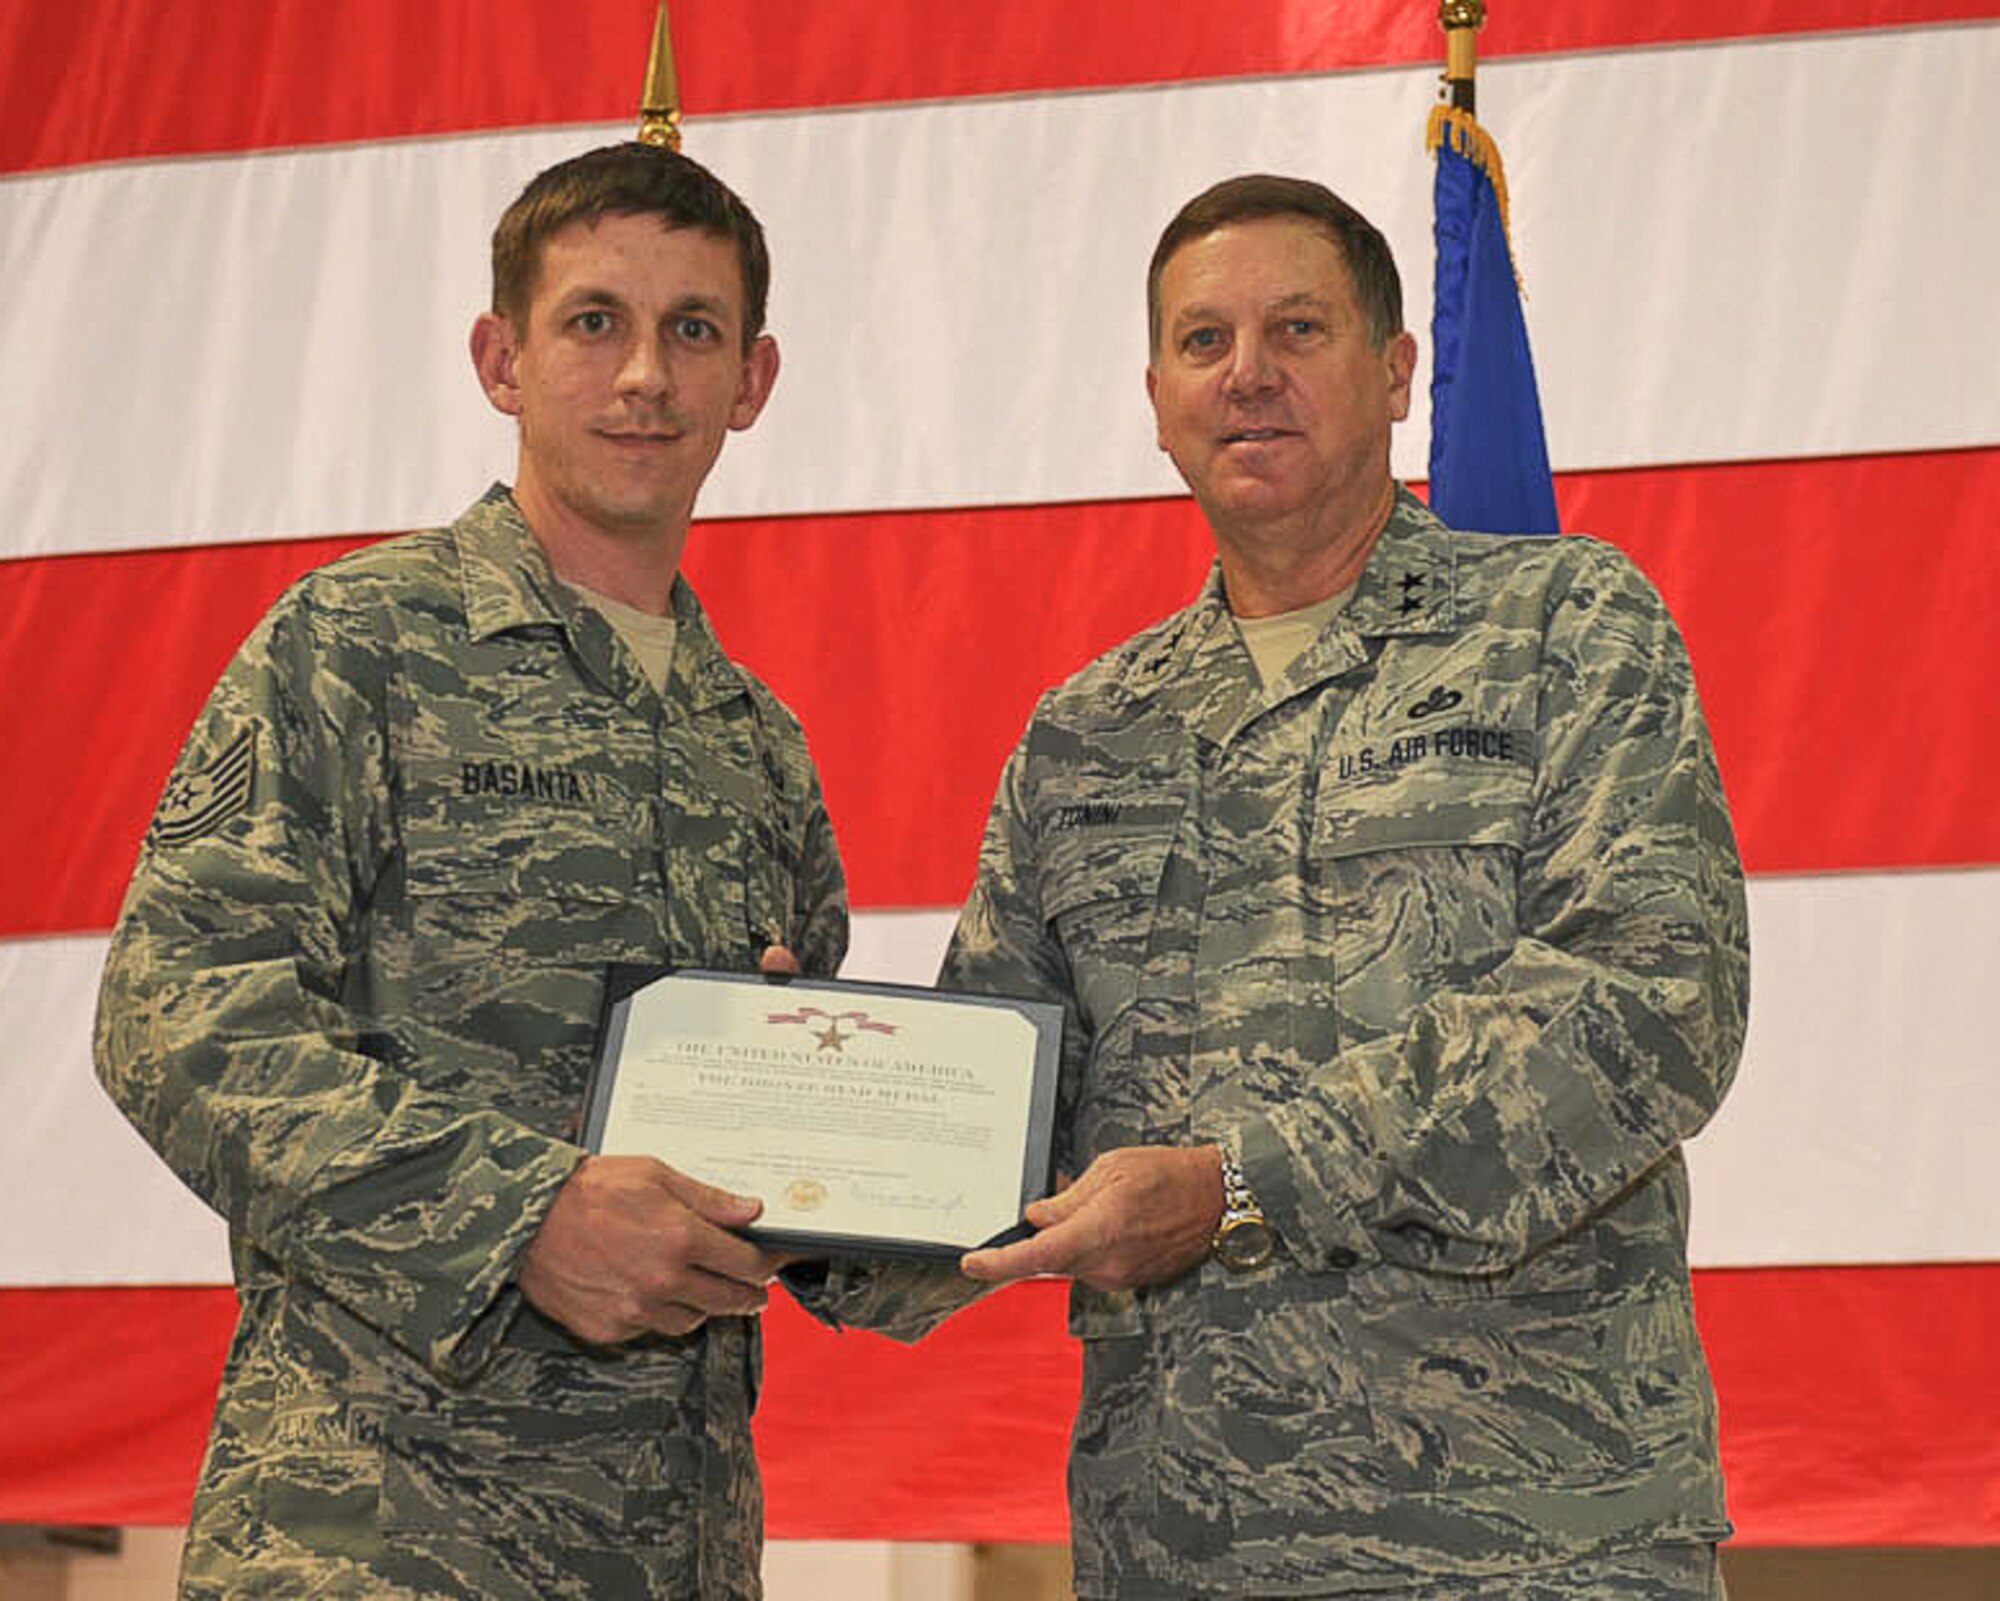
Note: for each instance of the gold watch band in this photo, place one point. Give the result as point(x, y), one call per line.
point(1244, 1238)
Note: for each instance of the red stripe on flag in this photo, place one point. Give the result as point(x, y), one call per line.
point(107, 81)
point(107, 659)
point(1859, 1407)
point(105, 1400)
point(963, 1437)
point(1838, 612)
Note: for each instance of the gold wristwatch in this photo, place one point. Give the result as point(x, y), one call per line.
point(1243, 1239)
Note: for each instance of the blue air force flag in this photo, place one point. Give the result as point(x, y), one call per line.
point(1489, 466)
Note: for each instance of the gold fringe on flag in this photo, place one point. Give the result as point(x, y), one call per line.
point(1476, 145)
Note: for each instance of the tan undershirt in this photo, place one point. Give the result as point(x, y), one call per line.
point(1276, 642)
point(650, 639)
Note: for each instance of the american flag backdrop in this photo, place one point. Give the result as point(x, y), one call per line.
point(242, 241)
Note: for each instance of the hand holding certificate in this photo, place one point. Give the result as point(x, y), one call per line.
point(870, 1118)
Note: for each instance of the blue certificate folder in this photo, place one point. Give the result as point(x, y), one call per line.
point(871, 1119)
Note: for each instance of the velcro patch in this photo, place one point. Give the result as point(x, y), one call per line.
point(198, 803)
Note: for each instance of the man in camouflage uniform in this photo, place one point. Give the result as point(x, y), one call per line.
point(353, 994)
point(1392, 898)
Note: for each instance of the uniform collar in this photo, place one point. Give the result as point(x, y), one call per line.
point(1202, 671)
point(709, 677)
point(508, 581)
point(1408, 585)
point(509, 585)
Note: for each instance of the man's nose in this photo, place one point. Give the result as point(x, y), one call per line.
point(645, 369)
point(1251, 371)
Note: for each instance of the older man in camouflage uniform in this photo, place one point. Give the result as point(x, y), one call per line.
point(1392, 897)
point(353, 994)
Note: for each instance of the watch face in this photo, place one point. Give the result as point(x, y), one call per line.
point(1244, 1242)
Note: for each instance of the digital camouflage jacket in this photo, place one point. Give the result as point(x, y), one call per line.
point(351, 1001)
point(1443, 932)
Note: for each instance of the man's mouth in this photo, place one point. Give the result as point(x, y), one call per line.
point(1255, 436)
point(643, 425)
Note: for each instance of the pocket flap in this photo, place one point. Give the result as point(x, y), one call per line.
point(1424, 804)
point(1118, 854)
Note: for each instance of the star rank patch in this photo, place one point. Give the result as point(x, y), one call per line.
point(198, 803)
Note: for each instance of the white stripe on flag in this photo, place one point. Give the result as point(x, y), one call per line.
point(273, 345)
point(1859, 1129)
point(1849, 1137)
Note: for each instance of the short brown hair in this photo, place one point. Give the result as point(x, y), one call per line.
point(619, 180)
point(1369, 262)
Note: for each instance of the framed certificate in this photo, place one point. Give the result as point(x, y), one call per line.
point(870, 1119)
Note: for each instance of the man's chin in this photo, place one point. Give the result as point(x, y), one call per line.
point(1236, 496)
point(639, 503)
point(633, 520)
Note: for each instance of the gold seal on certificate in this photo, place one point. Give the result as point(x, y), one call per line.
point(870, 1119)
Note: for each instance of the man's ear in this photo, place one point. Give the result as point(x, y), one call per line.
point(1153, 399)
point(495, 353)
point(760, 373)
point(1400, 364)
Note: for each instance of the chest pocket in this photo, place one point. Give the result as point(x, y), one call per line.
point(732, 859)
point(1100, 892)
point(1415, 883)
point(530, 864)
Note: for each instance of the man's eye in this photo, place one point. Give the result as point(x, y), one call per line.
point(697, 330)
point(592, 322)
point(1200, 341)
point(1302, 327)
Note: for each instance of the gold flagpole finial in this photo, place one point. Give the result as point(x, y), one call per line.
point(1461, 21)
point(660, 102)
